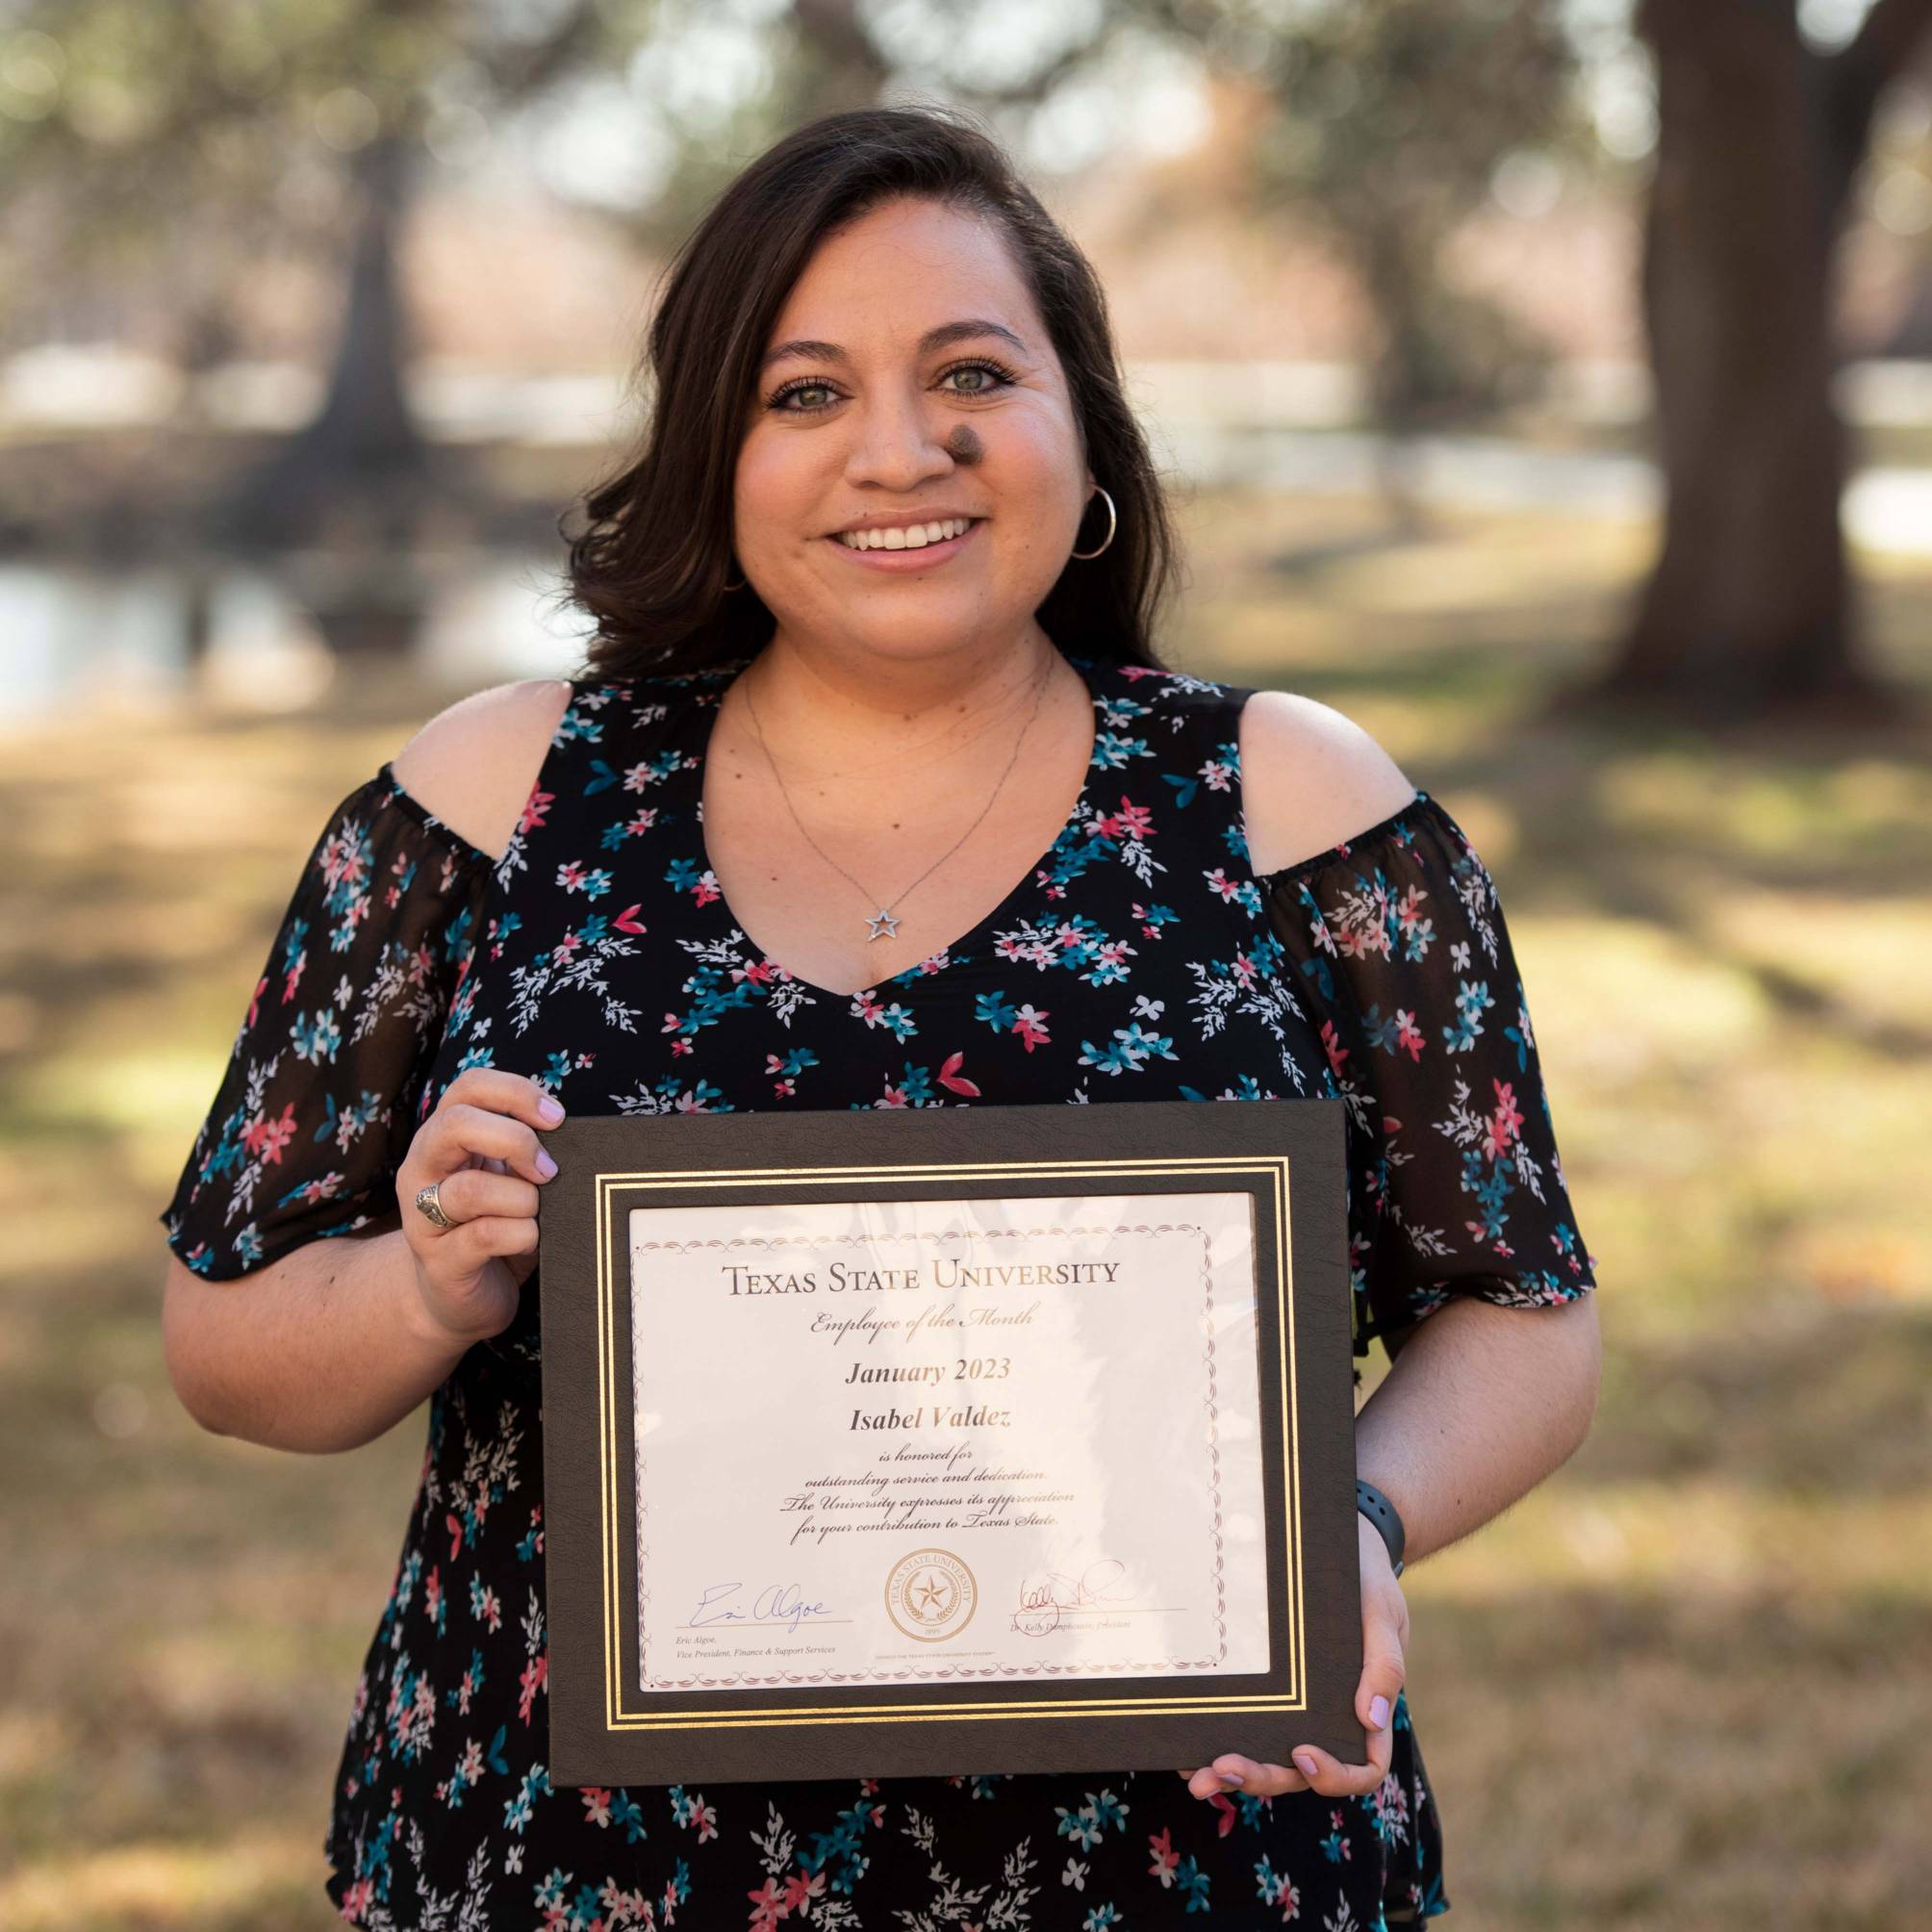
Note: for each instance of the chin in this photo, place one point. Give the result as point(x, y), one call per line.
point(919, 639)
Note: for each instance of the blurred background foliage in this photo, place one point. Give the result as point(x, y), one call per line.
point(1546, 385)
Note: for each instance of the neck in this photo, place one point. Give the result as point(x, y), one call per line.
point(843, 704)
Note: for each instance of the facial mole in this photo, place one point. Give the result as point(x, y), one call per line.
point(963, 446)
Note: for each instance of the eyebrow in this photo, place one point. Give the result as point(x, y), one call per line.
point(945, 334)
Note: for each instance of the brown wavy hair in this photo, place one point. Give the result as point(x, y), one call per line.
point(650, 567)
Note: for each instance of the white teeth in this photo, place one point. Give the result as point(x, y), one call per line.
point(909, 537)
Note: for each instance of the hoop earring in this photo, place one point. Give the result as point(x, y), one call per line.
point(738, 586)
point(1086, 555)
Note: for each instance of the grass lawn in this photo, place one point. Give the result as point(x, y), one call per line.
point(1683, 1685)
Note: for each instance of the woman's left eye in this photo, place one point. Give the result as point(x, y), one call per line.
point(1000, 376)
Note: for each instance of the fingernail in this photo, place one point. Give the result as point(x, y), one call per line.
point(1378, 1713)
point(1233, 1777)
point(551, 1108)
point(1306, 1765)
point(545, 1166)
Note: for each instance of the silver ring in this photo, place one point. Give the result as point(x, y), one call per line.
point(431, 1207)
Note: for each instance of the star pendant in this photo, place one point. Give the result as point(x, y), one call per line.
point(883, 924)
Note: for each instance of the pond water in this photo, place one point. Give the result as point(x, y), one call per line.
point(272, 640)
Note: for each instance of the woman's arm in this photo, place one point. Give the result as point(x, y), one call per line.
point(1479, 1407)
point(331, 1343)
point(1481, 1403)
point(325, 1349)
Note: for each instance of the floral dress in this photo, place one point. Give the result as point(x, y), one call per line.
point(1141, 958)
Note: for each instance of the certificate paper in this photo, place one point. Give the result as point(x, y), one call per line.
point(949, 1441)
point(976, 1480)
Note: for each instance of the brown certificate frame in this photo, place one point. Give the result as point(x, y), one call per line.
point(1289, 1155)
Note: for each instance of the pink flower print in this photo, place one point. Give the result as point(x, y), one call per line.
point(1131, 821)
point(566, 948)
point(1030, 1024)
point(1224, 887)
point(708, 888)
point(1166, 1860)
point(627, 920)
point(596, 1805)
point(800, 1889)
point(868, 1006)
point(703, 1818)
point(1225, 1805)
point(785, 1089)
point(953, 1079)
point(570, 875)
point(1332, 1044)
point(294, 977)
point(1217, 775)
point(639, 822)
point(681, 1046)
point(535, 808)
point(536, 1677)
point(1504, 1122)
point(894, 1096)
point(768, 1906)
point(266, 1138)
point(1409, 1036)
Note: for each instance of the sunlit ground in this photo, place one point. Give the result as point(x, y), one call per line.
point(1684, 1685)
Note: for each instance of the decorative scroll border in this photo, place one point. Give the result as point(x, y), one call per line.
point(1131, 1667)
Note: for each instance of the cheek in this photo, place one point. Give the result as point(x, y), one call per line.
point(768, 487)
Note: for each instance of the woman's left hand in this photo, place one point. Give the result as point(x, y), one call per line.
point(1384, 1639)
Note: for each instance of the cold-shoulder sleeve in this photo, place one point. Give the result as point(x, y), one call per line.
point(1396, 945)
point(325, 1082)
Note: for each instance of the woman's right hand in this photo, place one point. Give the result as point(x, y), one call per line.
point(481, 1149)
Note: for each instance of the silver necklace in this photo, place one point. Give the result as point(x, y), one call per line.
point(882, 923)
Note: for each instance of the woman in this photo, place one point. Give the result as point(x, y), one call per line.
point(873, 793)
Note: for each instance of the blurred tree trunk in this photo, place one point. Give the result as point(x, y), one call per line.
point(363, 445)
point(365, 422)
point(1750, 605)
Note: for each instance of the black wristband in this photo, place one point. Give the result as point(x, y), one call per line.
point(1371, 1503)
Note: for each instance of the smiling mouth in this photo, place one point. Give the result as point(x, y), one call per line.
point(914, 537)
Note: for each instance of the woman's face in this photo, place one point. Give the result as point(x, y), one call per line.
point(911, 380)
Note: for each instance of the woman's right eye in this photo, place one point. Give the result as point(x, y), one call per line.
point(779, 400)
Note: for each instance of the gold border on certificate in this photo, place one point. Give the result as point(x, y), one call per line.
point(1274, 1170)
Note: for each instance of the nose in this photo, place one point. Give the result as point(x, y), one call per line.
point(896, 441)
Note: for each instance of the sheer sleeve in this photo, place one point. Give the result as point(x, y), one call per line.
point(322, 1088)
point(1396, 943)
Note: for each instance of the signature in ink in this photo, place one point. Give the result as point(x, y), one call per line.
point(776, 1603)
point(1041, 1602)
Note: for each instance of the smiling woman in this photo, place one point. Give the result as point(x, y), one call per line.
point(873, 792)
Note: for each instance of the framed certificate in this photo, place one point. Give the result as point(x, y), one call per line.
point(949, 1441)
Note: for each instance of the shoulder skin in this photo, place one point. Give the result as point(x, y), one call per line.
point(474, 762)
point(1310, 778)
